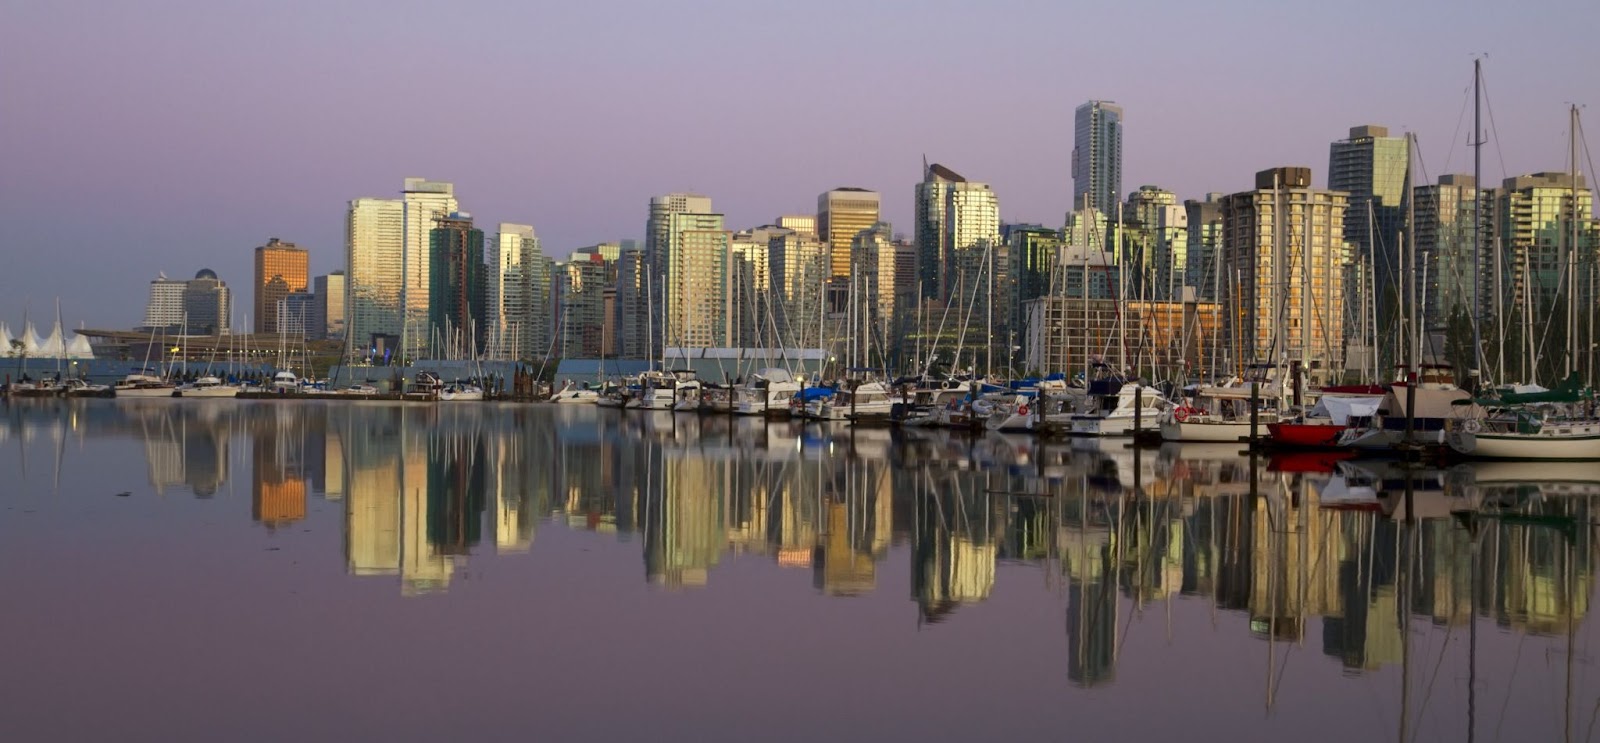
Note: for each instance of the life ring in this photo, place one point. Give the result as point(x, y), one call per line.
point(1022, 409)
point(1182, 413)
point(1472, 425)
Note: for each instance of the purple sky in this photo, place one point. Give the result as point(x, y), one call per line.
point(170, 136)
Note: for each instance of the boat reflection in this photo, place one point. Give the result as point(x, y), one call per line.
point(1341, 556)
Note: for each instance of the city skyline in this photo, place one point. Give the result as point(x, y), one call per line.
point(198, 131)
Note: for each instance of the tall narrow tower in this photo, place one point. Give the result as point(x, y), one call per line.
point(1097, 156)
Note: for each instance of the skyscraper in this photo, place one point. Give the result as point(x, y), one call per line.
point(1283, 252)
point(425, 201)
point(657, 248)
point(329, 289)
point(841, 214)
point(1443, 229)
point(1204, 243)
point(518, 303)
point(456, 317)
point(375, 276)
point(1097, 156)
point(281, 268)
point(206, 304)
point(1371, 167)
point(797, 263)
point(696, 297)
point(952, 215)
point(582, 322)
point(164, 308)
point(632, 339)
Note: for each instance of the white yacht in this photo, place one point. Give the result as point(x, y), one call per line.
point(142, 383)
point(208, 386)
point(573, 394)
point(1116, 414)
point(459, 391)
point(767, 392)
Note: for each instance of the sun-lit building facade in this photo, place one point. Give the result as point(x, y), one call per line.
point(374, 271)
point(1284, 257)
point(281, 268)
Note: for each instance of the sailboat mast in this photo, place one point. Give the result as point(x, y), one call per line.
point(1572, 242)
point(1477, 223)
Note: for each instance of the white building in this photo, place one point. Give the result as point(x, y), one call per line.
point(165, 305)
point(425, 201)
point(518, 296)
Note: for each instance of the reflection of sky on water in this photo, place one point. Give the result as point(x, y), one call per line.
point(270, 552)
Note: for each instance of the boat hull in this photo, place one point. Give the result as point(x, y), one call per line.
point(1214, 431)
point(146, 392)
point(1576, 446)
point(219, 392)
point(1304, 435)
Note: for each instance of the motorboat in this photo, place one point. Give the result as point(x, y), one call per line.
point(207, 386)
point(767, 392)
point(1219, 413)
point(574, 394)
point(1130, 406)
point(141, 383)
point(462, 391)
point(1322, 426)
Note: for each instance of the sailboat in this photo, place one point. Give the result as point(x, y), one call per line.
point(1551, 425)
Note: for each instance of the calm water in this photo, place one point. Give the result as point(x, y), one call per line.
point(223, 570)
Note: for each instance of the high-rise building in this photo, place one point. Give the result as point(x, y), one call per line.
point(457, 321)
point(164, 308)
point(873, 279)
point(297, 314)
point(657, 248)
point(1371, 167)
point(518, 305)
point(1204, 242)
point(750, 287)
point(797, 263)
point(1034, 252)
point(1443, 229)
point(329, 289)
point(696, 297)
point(281, 268)
point(1156, 244)
point(952, 215)
point(632, 336)
point(582, 319)
point(929, 231)
point(375, 276)
point(1284, 254)
point(841, 214)
point(1097, 156)
point(425, 202)
point(206, 304)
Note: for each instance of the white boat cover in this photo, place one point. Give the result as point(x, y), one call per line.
point(774, 374)
point(1340, 408)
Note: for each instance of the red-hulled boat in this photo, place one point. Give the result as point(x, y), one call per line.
point(1320, 428)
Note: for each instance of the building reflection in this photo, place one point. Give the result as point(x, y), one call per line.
point(1339, 555)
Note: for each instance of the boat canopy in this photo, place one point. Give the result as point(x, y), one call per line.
point(816, 393)
point(1341, 408)
point(774, 374)
point(1569, 391)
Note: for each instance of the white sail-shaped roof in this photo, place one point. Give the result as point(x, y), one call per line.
point(5, 339)
point(31, 342)
point(79, 348)
point(53, 347)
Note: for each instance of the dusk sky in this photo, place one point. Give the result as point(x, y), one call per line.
point(138, 137)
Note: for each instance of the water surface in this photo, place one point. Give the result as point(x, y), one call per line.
point(230, 570)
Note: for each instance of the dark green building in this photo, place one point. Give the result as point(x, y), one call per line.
point(457, 319)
